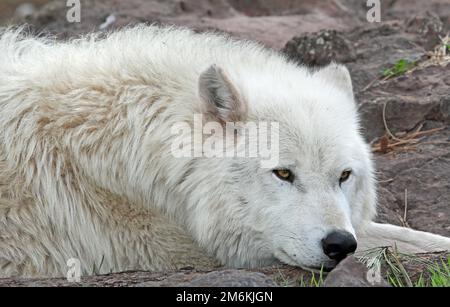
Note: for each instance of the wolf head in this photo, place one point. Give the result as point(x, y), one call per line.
point(305, 209)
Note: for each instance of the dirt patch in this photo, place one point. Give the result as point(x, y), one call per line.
point(266, 277)
point(270, 22)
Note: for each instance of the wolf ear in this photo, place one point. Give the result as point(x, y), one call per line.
point(219, 97)
point(338, 75)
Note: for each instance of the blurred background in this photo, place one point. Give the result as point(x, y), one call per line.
point(272, 22)
point(18, 8)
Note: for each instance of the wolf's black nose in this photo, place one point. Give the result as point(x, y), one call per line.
point(338, 244)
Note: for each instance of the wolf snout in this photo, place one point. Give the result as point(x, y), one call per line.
point(338, 244)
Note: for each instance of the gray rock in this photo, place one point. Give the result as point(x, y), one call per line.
point(429, 28)
point(352, 273)
point(222, 278)
point(188, 278)
point(232, 278)
point(320, 48)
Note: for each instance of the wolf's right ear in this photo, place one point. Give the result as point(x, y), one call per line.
point(337, 75)
point(219, 96)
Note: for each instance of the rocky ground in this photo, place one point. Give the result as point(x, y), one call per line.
point(406, 115)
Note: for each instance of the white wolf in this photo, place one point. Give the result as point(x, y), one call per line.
point(86, 169)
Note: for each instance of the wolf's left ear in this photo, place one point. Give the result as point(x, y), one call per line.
point(220, 97)
point(338, 75)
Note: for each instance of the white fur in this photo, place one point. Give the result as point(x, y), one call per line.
point(86, 170)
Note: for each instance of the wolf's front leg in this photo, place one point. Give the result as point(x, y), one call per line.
point(406, 240)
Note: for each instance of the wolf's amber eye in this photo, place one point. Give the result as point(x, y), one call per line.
point(344, 176)
point(284, 174)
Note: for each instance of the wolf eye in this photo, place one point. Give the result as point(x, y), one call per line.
point(284, 174)
point(344, 176)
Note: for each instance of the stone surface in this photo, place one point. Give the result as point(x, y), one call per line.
point(352, 273)
point(226, 278)
point(318, 49)
point(185, 278)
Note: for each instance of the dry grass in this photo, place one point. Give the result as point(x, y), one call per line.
point(390, 141)
point(403, 270)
